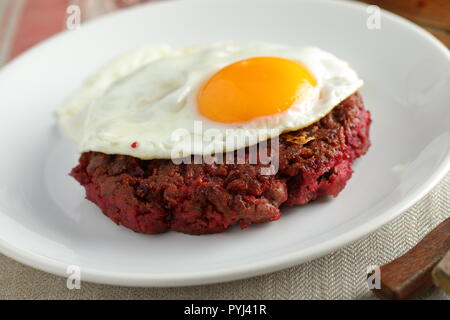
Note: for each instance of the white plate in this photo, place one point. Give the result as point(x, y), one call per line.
point(45, 221)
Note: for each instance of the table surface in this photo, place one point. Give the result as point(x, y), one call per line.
point(432, 15)
point(339, 275)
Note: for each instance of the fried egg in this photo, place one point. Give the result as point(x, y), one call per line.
point(159, 100)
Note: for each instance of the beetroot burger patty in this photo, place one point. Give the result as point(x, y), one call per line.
point(153, 196)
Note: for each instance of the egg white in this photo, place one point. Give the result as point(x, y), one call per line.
point(149, 97)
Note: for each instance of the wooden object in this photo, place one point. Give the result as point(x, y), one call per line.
point(432, 15)
point(410, 274)
point(441, 273)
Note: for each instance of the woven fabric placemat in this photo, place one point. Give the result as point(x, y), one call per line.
point(339, 275)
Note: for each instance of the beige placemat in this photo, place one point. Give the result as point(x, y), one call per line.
point(339, 275)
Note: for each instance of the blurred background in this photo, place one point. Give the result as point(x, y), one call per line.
point(24, 23)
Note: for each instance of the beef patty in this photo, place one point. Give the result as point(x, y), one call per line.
point(154, 196)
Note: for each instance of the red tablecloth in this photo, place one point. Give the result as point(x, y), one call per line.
point(24, 23)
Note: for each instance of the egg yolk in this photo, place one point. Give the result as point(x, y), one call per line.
point(253, 88)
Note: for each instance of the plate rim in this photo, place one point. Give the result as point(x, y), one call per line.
point(273, 264)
